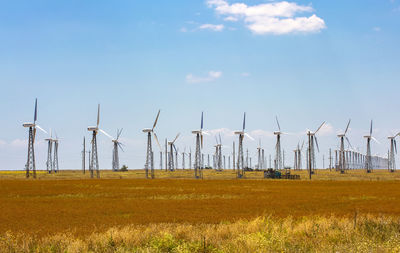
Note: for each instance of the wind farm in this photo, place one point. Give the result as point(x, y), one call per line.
point(199, 126)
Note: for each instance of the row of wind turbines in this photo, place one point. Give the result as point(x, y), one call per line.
point(239, 163)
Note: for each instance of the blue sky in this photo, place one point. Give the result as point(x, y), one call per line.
point(314, 61)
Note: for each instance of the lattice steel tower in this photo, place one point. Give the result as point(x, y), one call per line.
point(342, 157)
point(392, 151)
point(30, 163)
point(311, 163)
point(240, 158)
point(198, 172)
point(368, 159)
point(149, 165)
point(94, 159)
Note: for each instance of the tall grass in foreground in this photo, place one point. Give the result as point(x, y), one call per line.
point(264, 234)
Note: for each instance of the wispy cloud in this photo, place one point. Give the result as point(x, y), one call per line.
point(376, 29)
point(215, 28)
point(270, 18)
point(211, 76)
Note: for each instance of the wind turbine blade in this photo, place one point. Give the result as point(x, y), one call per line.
point(119, 133)
point(176, 137)
point(205, 132)
point(319, 127)
point(201, 137)
point(120, 146)
point(41, 129)
point(220, 140)
point(370, 129)
point(34, 134)
point(106, 134)
point(158, 143)
point(316, 142)
point(155, 122)
point(173, 145)
point(395, 146)
point(201, 125)
point(302, 145)
point(216, 139)
point(248, 136)
point(98, 115)
point(277, 122)
point(35, 113)
point(348, 141)
point(244, 121)
point(347, 128)
point(373, 138)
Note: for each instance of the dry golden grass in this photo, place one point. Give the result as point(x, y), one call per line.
point(262, 234)
point(351, 175)
point(81, 206)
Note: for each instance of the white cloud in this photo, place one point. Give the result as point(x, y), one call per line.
point(211, 76)
point(183, 29)
point(231, 18)
point(18, 143)
point(270, 18)
point(245, 74)
point(261, 133)
point(326, 129)
point(215, 28)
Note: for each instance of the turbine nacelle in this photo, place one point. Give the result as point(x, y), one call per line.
point(92, 128)
point(239, 132)
point(28, 124)
point(278, 133)
point(147, 130)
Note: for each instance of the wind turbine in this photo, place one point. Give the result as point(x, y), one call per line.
point(49, 162)
point(342, 157)
point(259, 156)
point(278, 151)
point(240, 161)
point(311, 150)
point(30, 163)
point(116, 144)
point(171, 165)
point(392, 151)
point(55, 154)
point(149, 153)
point(199, 145)
point(218, 153)
point(368, 160)
point(94, 159)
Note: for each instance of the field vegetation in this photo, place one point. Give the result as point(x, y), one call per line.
point(69, 212)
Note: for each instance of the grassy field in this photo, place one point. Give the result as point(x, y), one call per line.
point(67, 209)
point(264, 234)
point(355, 175)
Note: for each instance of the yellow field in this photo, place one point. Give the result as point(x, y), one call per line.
point(70, 210)
point(354, 175)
